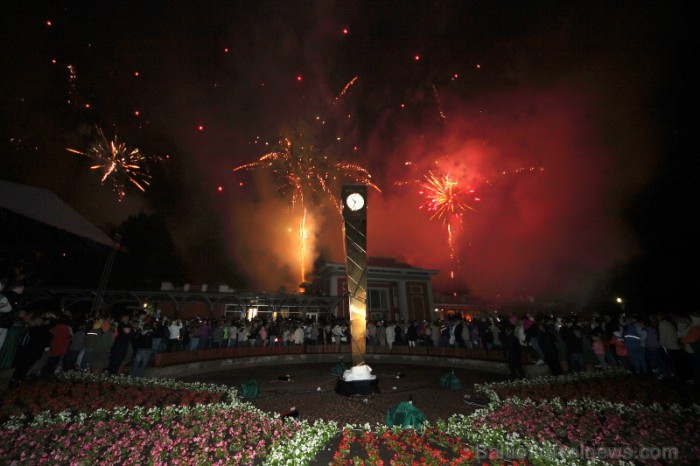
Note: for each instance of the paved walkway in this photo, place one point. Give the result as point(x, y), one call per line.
point(312, 390)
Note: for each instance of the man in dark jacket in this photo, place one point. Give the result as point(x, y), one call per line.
point(122, 349)
point(143, 350)
point(36, 339)
point(511, 344)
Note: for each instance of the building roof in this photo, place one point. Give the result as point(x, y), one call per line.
point(45, 207)
point(385, 264)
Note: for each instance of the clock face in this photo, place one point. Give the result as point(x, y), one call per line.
point(355, 201)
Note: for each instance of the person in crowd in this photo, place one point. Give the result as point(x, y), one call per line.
point(174, 335)
point(670, 345)
point(573, 337)
point(7, 317)
point(143, 350)
point(621, 353)
point(495, 332)
point(685, 371)
point(92, 334)
point(547, 342)
point(243, 334)
point(299, 335)
point(287, 337)
point(399, 334)
point(412, 333)
point(313, 333)
point(423, 333)
point(13, 341)
point(589, 357)
point(653, 349)
point(518, 331)
point(381, 333)
point(77, 345)
point(458, 330)
point(371, 334)
point(531, 329)
point(511, 345)
point(599, 351)
point(217, 335)
point(225, 328)
point(161, 335)
point(635, 339)
point(444, 338)
point(189, 336)
point(253, 334)
point(390, 334)
point(337, 333)
point(434, 333)
point(61, 336)
point(232, 335)
point(205, 334)
point(326, 334)
point(122, 350)
point(691, 341)
point(36, 338)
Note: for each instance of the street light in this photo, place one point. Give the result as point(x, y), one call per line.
point(621, 302)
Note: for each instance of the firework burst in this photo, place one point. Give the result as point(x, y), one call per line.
point(119, 163)
point(303, 173)
point(444, 197)
point(447, 200)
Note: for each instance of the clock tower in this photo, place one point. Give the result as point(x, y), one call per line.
point(354, 209)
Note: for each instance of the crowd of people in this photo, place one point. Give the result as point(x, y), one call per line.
point(43, 343)
point(661, 345)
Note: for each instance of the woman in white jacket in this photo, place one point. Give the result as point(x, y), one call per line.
point(390, 334)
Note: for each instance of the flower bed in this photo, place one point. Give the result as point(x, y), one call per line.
point(206, 434)
point(158, 422)
point(589, 423)
point(200, 424)
point(584, 427)
point(430, 446)
point(94, 392)
point(598, 386)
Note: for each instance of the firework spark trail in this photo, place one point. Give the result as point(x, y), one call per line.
point(441, 112)
point(119, 163)
point(303, 238)
point(345, 89)
point(72, 84)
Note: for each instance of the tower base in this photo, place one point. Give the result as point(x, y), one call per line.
point(357, 387)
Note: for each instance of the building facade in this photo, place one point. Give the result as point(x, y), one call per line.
point(395, 291)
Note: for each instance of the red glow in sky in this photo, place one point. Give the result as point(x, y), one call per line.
point(527, 234)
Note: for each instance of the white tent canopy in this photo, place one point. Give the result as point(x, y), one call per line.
point(45, 207)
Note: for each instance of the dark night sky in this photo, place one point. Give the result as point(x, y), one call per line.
point(568, 118)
